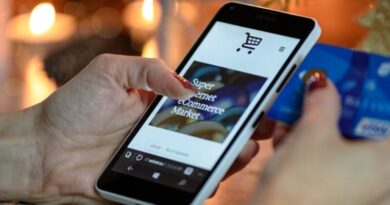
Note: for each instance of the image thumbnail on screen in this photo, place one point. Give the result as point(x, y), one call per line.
point(223, 95)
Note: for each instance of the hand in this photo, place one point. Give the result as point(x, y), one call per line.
point(83, 123)
point(316, 165)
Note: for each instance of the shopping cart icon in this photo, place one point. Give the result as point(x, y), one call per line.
point(250, 43)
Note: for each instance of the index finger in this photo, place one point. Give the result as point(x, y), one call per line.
point(269, 128)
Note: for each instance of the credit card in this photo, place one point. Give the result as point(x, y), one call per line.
point(363, 82)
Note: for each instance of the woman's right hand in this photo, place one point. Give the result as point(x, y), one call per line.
point(316, 165)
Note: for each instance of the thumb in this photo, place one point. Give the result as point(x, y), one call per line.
point(148, 74)
point(321, 109)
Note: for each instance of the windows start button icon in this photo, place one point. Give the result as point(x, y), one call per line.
point(188, 171)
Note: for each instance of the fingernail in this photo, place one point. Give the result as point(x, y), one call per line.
point(315, 79)
point(185, 83)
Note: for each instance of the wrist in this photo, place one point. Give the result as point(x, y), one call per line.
point(283, 189)
point(20, 154)
point(275, 189)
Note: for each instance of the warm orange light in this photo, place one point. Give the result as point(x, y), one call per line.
point(187, 10)
point(150, 49)
point(42, 26)
point(37, 85)
point(143, 18)
point(148, 10)
point(42, 18)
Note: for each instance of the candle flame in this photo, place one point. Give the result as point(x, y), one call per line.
point(37, 85)
point(150, 49)
point(42, 18)
point(148, 10)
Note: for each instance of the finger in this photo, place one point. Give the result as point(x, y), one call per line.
point(321, 108)
point(321, 103)
point(215, 191)
point(265, 129)
point(146, 96)
point(280, 134)
point(147, 74)
point(250, 150)
point(154, 74)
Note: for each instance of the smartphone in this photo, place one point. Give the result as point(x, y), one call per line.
point(180, 149)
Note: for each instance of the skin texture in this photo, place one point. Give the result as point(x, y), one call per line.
point(316, 165)
point(53, 152)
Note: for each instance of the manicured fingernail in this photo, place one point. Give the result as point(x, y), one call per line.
point(185, 83)
point(315, 79)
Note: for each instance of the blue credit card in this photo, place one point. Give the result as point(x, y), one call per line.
point(363, 81)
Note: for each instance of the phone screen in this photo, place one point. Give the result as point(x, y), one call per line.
point(182, 140)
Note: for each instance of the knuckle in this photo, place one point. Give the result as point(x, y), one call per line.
point(101, 61)
point(106, 62)
point(157, 62)
point(103, 57)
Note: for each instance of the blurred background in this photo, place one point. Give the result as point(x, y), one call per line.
point(43, 44)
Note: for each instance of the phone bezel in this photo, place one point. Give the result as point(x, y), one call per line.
point(249, 16)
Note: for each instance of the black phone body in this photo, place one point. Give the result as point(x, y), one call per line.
point(180, 149)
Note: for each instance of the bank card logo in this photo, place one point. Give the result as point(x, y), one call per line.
point(373, 128)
